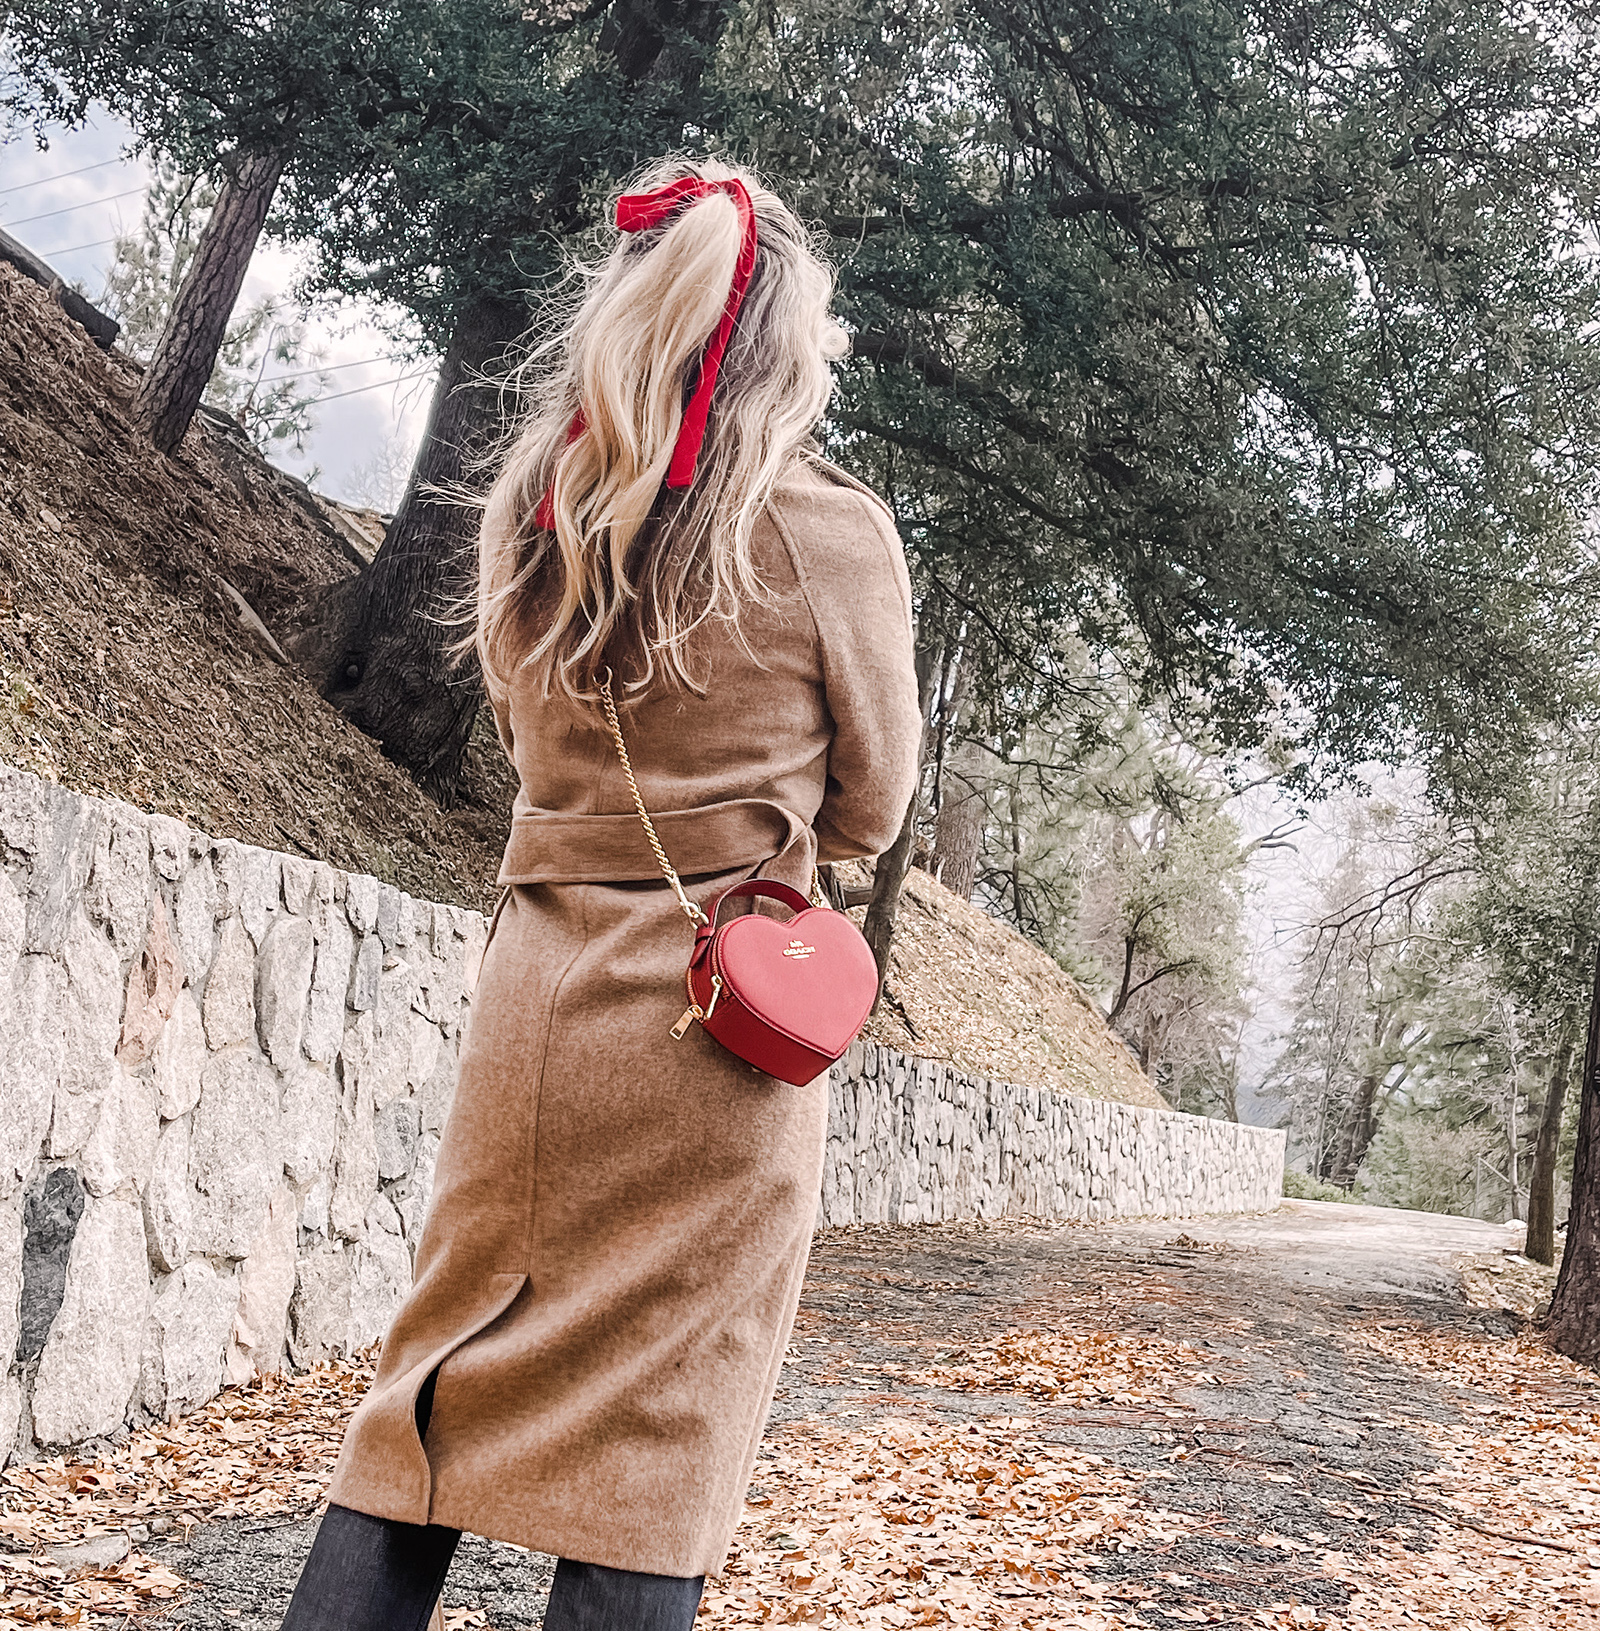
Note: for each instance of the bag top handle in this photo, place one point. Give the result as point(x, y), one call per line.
point(770, 888)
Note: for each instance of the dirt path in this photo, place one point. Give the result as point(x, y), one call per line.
point(1289, 1440)
point(1292, 1419)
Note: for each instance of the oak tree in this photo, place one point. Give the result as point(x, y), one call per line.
point(466, 213)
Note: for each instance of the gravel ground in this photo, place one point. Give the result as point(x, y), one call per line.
point(1289, 1432)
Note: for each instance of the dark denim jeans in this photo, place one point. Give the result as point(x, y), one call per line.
point(370, 1574)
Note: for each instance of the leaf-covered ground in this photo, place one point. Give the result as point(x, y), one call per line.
point(1285, 1421)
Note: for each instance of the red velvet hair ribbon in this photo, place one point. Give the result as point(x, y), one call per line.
point(639, 212)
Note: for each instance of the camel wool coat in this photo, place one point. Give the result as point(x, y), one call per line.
point(619, 1225)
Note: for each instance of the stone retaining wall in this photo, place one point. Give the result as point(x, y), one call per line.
point(223, 1075)
point(921, 1141)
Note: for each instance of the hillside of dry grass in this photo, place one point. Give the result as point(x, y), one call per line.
point(966, 987)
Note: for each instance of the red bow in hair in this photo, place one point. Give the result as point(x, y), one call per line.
point(638, 212)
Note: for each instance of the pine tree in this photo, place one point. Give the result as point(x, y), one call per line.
point(261, 379)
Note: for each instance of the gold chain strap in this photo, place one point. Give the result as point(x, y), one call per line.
point(668, 871)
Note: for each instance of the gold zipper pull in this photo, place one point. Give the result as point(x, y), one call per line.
point(692, 1012)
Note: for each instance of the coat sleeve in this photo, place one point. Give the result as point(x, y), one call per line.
point(859, 592)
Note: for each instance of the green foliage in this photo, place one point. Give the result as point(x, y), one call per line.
point(1473, 942)
point(261, 345)
point(1422, 1162)
point(1162, 913)
point(518, 132)
point(1341, 1059)
point(1512, 948)
point(1227, 366)
point(1051, 783)
point(200, 80)
point(1174, 899)
point(1535, 896)
point(1245, 344)
point(1246, 348)
point(1110, 841)
point(1301, 1186)
point(409, 129)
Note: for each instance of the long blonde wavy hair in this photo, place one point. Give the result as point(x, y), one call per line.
point(630, 570)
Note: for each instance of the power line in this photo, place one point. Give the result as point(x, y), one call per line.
point(99, 243)
point(66, 175)
point(356, 390)
point(304, 373)
point(67, 209)
point(330, 368)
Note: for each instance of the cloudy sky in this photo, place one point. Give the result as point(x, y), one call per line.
point(69, 203)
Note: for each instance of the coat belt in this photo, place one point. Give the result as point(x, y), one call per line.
point(547, 846)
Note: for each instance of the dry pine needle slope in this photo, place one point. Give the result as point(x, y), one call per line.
point(124, 670)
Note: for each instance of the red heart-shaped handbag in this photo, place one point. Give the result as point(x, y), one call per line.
point(787, 997)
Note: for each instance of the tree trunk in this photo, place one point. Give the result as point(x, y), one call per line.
point(1541, 1246)
point(390, 674)
point(890, 873)
point(887, 877)
point(1327, 1146)
point(1514, 1077)
point(1356, 1132)
point(186, 353)
point(958, 833)
point(1130, 946)
point(1574, 1327)
point(1230, 1086)
point(662, 42)
point(1019, 914)
point(1359, 1125)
